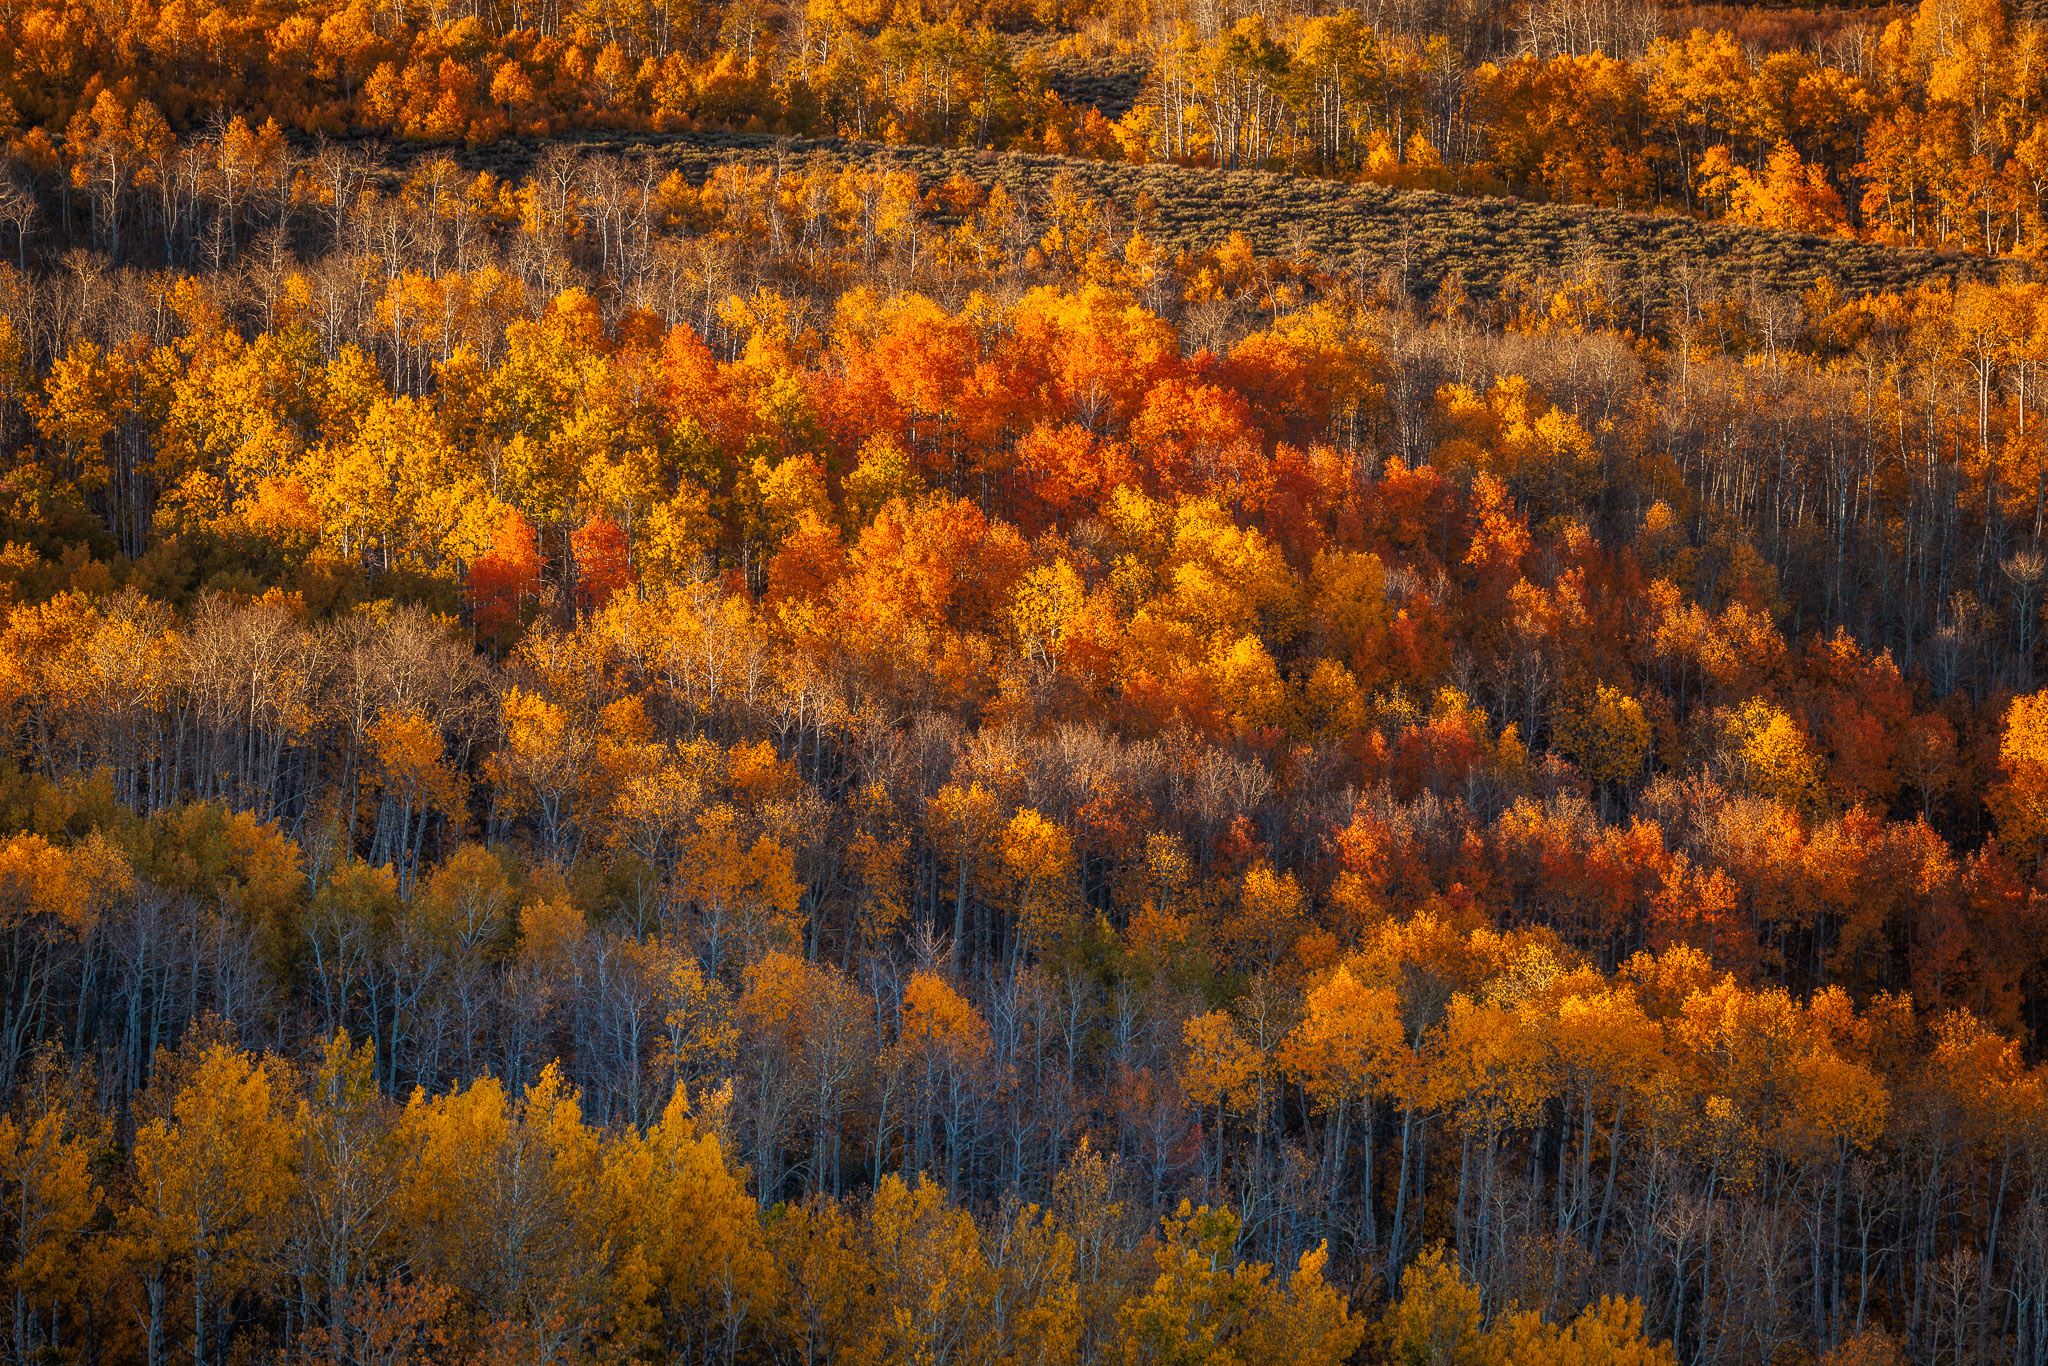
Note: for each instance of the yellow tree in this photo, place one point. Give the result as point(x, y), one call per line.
point(542, 769)
point(942, 1046)
point(48, 1197)
point(1486, 1068)
point(1838, 1111)
point(877, 859)
point(341, 932)
point(809, 1032)
point(348, 1164)
point(1790, 194)
point(2019, 800)
point(744, 891)
point(1436, 1321)
point(416, 785)
point(1348, 1052)
point(934, 1290)
point(829, 1287)
point(1038, 861)
point(49, 896)
point(1604, 1050)
point(89, 411)
point(1607, 733)
point(1269, 915)
point(965, 823)
point(1035, 1313)
point(1609, 1333)
point(1205, 1306)
point(709, 1273)
point(211, 1183)
point(697, 1033)
point(1309, 1321)
point(1770, 754)
point(1222, 1068)
point(507, 1203)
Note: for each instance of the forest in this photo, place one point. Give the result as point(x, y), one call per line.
point(1919, 126)
point(617, 751)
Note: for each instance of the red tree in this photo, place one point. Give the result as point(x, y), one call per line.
point(504, 578)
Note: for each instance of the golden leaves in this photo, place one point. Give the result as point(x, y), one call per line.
point(70, 886)
point(940, 1025)
point(2019, 800)
point(1607, 733)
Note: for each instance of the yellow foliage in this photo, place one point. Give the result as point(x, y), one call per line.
point(1270, 915)
point(212, 1175)
point(68, 885)
point(1772, 755)
point(1436, 1321)
point(2019, 800)
point(1247, 684)
point(1607, 733)
point(744, 890)
point(940, 1025)
point(697, 1226)
point(1609, 1333)
point(1350, 1044)
point(53, 1197)
point(1205, 1306)
point(1038, 856)
point(1223, 1066)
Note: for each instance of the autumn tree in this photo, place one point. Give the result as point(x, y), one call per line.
point(212, 1181)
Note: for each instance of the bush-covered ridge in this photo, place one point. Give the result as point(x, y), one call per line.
point(1362, 229)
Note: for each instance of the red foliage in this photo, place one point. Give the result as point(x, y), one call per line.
point(604, 564)
point(504, 578)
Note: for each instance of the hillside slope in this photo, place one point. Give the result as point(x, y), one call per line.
point(1362, 229)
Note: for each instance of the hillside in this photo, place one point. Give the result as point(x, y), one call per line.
point(621, 746)
point(1362, 229)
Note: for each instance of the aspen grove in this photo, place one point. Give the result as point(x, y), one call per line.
point(817, 762)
